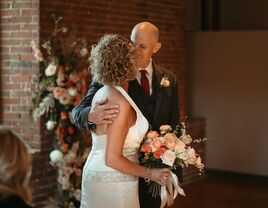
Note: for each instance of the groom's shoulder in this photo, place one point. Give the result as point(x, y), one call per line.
point(164, 72)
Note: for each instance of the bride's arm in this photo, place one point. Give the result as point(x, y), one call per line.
point(117, 132)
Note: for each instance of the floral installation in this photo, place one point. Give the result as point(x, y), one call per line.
point(60, 85)
point(167, 150)
point(165, 81)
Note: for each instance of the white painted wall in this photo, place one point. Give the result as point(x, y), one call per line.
point(228, 85)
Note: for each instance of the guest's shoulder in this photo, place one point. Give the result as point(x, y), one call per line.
point(13, 201)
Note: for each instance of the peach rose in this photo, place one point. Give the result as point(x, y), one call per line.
point(65, 99)
point(152, 134)
point(156, 143)
point(58, 92)
point(146, 148)
point(198, 163)
point(170, 141)
point(165, 128)
point(191, 155)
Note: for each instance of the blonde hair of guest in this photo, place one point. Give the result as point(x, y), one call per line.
point(15, 164)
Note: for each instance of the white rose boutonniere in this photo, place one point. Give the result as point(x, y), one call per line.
point(165, 81)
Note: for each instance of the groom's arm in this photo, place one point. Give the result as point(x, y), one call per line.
point(80, 112)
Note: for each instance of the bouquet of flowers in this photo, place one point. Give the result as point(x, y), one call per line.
point(167, 150)
point(62, 82)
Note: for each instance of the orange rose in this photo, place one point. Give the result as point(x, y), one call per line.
point(60, 69)
point(64, 115)
point(158, 153)
point(146, 148)
point(65, 148)
point(70, 130)
point(68, 68)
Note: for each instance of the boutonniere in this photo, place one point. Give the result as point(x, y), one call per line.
point(165, 81)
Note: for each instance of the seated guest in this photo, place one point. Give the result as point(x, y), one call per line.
point(15, 164)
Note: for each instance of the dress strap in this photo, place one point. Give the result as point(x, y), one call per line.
point(131, 102)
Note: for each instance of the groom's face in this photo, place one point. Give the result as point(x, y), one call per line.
point(146, 47)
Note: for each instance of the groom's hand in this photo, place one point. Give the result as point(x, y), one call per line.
point(103, 113)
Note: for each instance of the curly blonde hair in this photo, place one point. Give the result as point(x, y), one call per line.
point(113, 60)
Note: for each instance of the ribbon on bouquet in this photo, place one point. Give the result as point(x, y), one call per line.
point(170, 191)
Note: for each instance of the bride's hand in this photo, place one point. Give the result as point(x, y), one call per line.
point(160, 175)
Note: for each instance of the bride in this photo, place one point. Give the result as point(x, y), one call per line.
point(110, 175)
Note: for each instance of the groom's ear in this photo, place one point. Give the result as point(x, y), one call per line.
point(157, 47)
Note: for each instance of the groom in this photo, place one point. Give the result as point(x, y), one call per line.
point(154, 91)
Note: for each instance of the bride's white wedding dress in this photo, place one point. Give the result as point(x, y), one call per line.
point(102, 186)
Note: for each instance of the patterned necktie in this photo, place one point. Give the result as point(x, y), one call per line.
point(145, 82)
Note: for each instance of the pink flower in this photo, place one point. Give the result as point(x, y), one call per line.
point(58, 92)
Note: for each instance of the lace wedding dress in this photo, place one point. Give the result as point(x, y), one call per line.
point(102, 186)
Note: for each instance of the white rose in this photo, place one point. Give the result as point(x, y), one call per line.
point(56, 156)
point(72, 92)
point(83, 52)
point(165, 82)
point(64, 29)
point(183, 156)
point(186, 138)
point(50, 125)
point(51, 70)
point(168, 157)
point(179, 147)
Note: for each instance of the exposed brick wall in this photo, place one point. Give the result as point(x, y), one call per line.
point(26, 20)
point(92, 18)
point(19, 26)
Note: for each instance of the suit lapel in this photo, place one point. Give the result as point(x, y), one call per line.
point(157, 76)
point(135, 92)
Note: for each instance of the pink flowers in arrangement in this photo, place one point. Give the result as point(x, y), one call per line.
point(62, 82)
point(167, 150)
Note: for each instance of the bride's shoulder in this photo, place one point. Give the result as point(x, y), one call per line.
point(116, 96)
